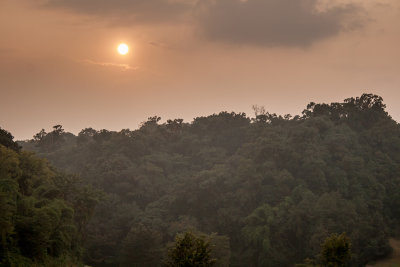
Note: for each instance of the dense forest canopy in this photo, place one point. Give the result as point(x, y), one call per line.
point(43, 212)
point(265, 191)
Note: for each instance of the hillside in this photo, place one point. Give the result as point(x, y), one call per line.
point(393, 260)
point(270, 188)
point(43, 212)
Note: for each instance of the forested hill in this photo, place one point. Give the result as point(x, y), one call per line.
point(270, 188)
point(43, 212)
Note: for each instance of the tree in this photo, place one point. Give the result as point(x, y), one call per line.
point(6, 139)
point(190, 250)
point(85, 135)
point(38, 217)
point(336, 251)
point(50, 141)
point(39, 136)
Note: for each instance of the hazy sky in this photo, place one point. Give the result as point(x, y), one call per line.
point(189, 58)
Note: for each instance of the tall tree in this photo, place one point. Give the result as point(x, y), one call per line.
point(336, 251)
point(190, 250)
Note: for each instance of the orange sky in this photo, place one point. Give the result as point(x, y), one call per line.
point(188, 58)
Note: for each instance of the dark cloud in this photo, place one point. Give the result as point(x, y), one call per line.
point(272, 22)
point(121, 11)
point(257, 22)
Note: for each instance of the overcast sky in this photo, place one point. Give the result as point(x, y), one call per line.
point(189, 58)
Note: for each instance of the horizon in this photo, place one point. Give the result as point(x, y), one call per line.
point(162, 121)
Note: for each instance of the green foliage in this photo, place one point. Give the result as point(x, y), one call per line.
point(336, 251)
point(37, 217)
point(6, 139)
point(273, 187)
point(190, 250)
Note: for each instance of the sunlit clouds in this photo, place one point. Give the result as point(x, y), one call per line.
point(110, 64)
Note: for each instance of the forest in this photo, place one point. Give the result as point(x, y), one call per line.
point(265, 190)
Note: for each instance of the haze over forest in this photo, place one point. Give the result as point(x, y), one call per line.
point(255, 191)
point(183, 133)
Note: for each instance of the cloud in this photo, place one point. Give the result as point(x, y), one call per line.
point(110, 64)
point(121, 11)
point(297, 23)
point(273, 22)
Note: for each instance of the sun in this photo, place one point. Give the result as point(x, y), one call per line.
point(123, 49)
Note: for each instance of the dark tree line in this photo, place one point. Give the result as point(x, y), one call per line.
point(43, 212)
point(268, 189)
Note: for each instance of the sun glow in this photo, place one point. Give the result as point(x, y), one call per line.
point(123, 49)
